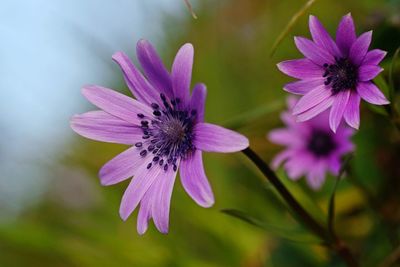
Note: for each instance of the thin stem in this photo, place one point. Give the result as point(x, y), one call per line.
point(335, 244)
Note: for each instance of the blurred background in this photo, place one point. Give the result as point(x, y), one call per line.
point(53, 210)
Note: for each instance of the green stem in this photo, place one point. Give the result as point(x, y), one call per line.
point(334, 243)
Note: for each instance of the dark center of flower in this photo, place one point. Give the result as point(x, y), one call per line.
point(169, 134)
point(340, 76)
point(321, 143)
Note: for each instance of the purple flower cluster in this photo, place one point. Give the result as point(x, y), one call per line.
point(166, 131)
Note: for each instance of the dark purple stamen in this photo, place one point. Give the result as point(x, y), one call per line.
point(169, 135)
point(138, 144)
point(321, 143)
point(341, 76)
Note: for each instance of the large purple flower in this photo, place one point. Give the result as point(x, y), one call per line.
point(334, 74)
point(312, 149)
point(165, 128)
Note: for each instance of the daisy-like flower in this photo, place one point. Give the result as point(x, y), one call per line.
point(333, 74)
point(312, 149)
point(166, 131)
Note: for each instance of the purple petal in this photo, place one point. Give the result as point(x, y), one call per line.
point(346, 34)
point(338, 108)
point(198, 100)
point(162, 200)
point(195, 181)
point(298, 165)
point(137, 188)
point(368, 72)
point(304, 86)
point(154, 68)
point(300, 68)
point(316, 176)
point(145, 214)
point(101, 126)
point(370, 93)
point(321, 37)
point(360, 48)
point(182, 72)
point(374, 57)
point(283, 137)
point(352, 113)
point(214, 138)
point(311, 99)
point(116, 104)
point(121, 167)
point(281, 157)
point(313, 52)
point(138, 85)
point(312, 112)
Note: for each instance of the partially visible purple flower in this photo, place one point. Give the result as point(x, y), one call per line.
point(333, 74)
point(312, 149)
point(166, 131)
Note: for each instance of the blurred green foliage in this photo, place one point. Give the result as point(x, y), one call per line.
point(77, 224)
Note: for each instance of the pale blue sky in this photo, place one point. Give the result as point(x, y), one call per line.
point(48, 50)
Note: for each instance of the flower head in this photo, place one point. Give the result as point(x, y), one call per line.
point(312, 149)
point(334, 74)
point(166, 131)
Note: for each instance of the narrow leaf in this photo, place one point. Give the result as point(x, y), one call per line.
point(293, 235)
point(291, 24)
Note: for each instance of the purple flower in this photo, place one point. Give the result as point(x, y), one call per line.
point(165, 128)
point(312, 148)
point(334, 74)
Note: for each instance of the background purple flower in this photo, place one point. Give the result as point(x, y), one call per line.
point(312, 149)
point(165, 129)
point(334, 74)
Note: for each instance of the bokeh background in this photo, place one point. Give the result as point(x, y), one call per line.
point(54, 212)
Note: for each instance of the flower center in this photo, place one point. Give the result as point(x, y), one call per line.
point(321, 143)
point(341, 76)
point(168, 135)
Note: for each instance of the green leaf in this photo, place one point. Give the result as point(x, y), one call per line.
point(294, 235)
point(243, 119)
point(291, 24)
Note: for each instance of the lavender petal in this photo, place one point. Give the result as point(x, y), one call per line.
point(198, 100)
point(313, 52)
point(137, 188)
point(101, 126)
point(121, 167)
point(346, 34)
point(360, 48)
point(368, 72)
point(182, 72)
point(139, 86)
point(194, 180)
point(116, 104)
point(214, 138)
point(162, 200)
point(154, 68)
point(352, 112)
point(322, 38)
point(337, 110)
point(370, 93)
